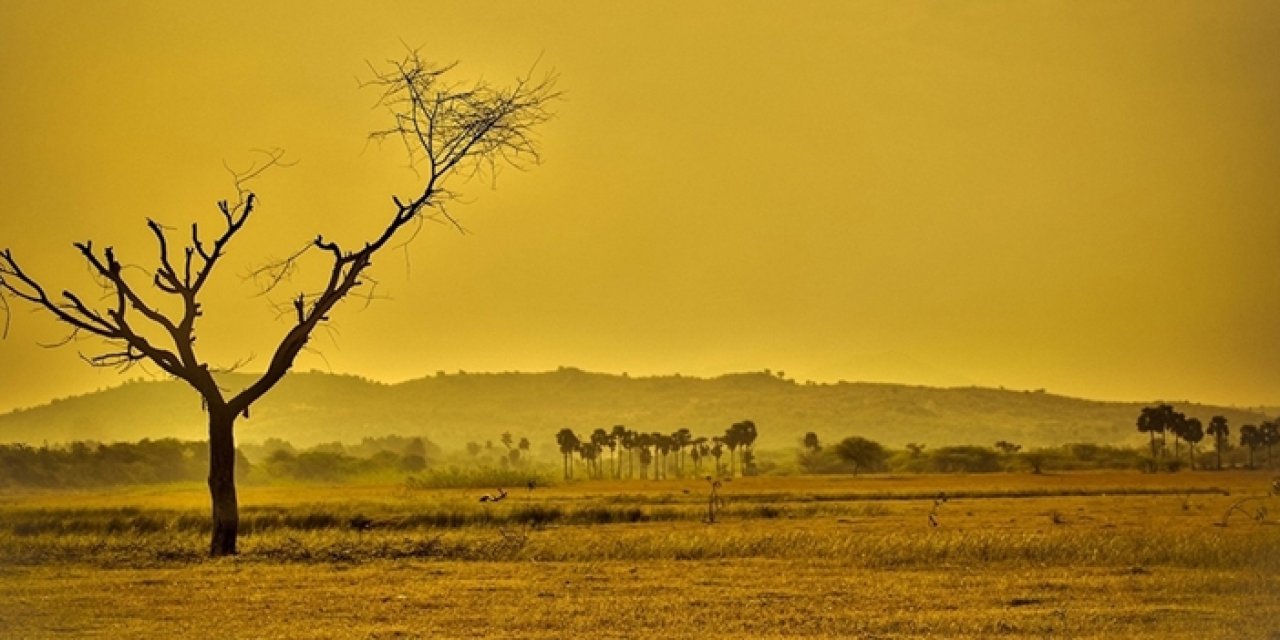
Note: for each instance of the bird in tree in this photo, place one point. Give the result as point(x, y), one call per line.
point(450, 130)
point(1221, 431)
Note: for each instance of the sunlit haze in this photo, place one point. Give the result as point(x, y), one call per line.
point(1077, 196)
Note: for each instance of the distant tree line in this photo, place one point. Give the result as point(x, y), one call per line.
point(514, 455)
point(93, 464)
point(856, 454)
point(657, 455)
point(1161, 421)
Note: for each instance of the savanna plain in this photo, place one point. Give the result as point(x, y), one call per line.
point(1059, 555)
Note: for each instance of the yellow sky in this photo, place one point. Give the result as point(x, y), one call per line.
point(1079, 196)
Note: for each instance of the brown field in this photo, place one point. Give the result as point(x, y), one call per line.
point(1080, 555)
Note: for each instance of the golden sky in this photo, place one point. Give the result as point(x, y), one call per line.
point(1079, 196)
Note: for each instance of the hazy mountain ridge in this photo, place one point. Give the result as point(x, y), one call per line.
point(450, 409)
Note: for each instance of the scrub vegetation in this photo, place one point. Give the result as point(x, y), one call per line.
point(1079, 554)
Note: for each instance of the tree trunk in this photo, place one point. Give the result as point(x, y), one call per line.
point(1219, 447)
point(222, 482)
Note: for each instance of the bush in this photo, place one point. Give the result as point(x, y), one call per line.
point(964, 459)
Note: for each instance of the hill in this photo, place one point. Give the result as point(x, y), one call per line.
point(450, 409)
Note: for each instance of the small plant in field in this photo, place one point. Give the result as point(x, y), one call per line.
point(715, 502)
point(513, 540)
point(1259, 514)
point(938, 501)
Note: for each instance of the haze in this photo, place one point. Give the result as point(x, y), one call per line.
point(1078, 196)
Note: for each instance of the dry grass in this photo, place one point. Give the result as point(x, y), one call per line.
point(1089, 555)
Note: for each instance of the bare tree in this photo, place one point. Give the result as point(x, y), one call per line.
point(451, 132)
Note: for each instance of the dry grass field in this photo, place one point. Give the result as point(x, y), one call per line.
point(1081, 555)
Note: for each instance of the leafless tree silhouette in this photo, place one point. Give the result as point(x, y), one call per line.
point(451, 131)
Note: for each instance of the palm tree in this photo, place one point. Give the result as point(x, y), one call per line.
point(747, 434)
point(569, 443)
point(1153, 420)
point(1269, 436)
point(1178, 427)
point(681, 439)
point(1251, 438)
point(619, 438)
point(717, 450)
point(600, 438)
point(627, 439)
point(1193, 433)
point(1220, 431)
point(590, 453)
point(662, 446)
point(811, 442)
point(729, 441)
point(643, 441)
point(703, 450)
point(645, 458)
point(739, 434)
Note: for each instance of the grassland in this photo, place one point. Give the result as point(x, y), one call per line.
point(1081, 555)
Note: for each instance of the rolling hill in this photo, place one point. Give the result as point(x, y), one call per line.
point(450, 409)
